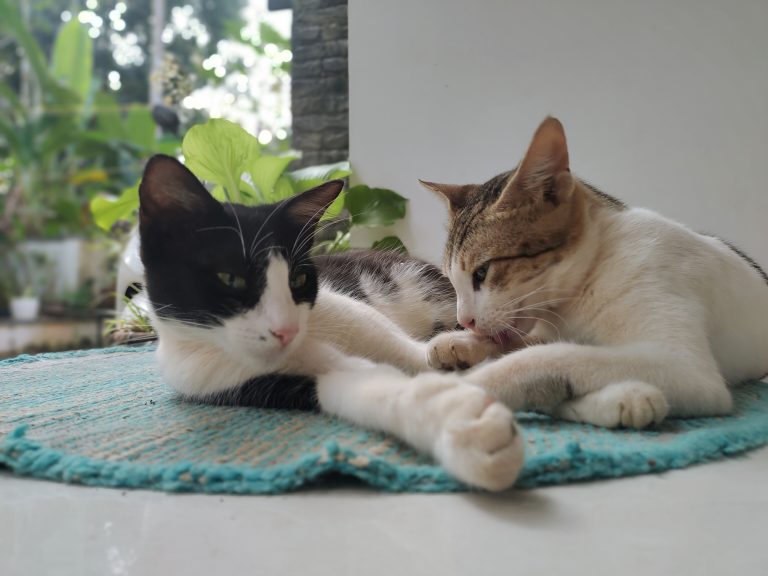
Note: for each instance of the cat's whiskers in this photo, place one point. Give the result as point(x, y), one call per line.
point(266, 220)
point(554, 326)
point(240, 228)
point(309, 227)
point(311, 234)
point(309, 237)
point(209, 228)
point(255, 245)
point(264, 249)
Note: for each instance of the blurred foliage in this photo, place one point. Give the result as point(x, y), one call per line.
point(221, 18)
point(63, 140)
point(24, 273)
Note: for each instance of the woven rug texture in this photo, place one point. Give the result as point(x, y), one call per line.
point(104, 418)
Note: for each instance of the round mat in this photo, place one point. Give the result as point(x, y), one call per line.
point(104, 418)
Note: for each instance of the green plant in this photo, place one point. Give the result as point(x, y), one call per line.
point(133, 326)
point(231, 160)
point(62, 140)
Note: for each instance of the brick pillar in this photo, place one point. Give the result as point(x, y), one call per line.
point(319, 81)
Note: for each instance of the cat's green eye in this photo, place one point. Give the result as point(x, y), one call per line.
point(297, 281)
point(480, 273)
point(232, 280)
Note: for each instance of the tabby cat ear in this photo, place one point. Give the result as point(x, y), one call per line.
point(543, 176)
point(306, 209)
point(169, 189)
point(456, 194)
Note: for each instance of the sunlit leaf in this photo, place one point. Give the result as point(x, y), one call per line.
point(219, 151)
point(108, 210)
point(265, 172)
point(312, 176)
point(72, 58)
point(283, 188)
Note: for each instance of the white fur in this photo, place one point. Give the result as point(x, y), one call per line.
point(654, 319)
point(471, 435)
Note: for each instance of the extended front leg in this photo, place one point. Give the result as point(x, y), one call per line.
point(631, 385)
point(470, 434)
point(360, 330)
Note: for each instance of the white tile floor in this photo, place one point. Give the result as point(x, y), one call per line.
point(711, 519)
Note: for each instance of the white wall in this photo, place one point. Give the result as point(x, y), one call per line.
point(665, 103)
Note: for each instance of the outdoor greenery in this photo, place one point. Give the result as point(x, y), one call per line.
point(66, 140)
point(76, 129)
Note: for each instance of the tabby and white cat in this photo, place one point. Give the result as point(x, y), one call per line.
point(631, 316)
point(245, 316)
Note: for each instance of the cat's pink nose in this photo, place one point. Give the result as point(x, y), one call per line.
point(285, 334)
point(468, 323)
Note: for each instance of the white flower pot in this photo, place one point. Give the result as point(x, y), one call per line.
point(25, 308)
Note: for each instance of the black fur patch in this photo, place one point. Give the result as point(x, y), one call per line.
point(275, 391)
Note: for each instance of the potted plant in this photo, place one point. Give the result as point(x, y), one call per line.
point(26, 277)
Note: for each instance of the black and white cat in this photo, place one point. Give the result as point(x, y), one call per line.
point(245, 316)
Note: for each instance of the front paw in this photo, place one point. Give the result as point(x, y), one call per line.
point(472, 435)
point(459, 350)
point(481, 444)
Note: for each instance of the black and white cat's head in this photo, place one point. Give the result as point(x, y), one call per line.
point(236, 277)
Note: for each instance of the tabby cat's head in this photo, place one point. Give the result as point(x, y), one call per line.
point(229, 275)
point(511, 240)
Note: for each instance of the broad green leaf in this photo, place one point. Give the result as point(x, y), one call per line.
point(374, 206)
point(283, 188)
point(219, 151)
point(266, 171)
point(219, 193)
point(312, 176)
point(140, 127)
point(108, 118)
point(108, 210)
point(72, 58)
point(390, 244)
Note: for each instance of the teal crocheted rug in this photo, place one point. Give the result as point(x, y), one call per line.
point(104, 418)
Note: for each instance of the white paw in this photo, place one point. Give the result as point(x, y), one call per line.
point(476, 438)
point(459, 350)
point(624, 404)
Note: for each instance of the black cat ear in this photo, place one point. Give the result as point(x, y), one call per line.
point(544, 174)
point(457, 194)
point(307, 208)
point(169, 188)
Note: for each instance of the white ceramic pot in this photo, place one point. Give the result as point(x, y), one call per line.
point(25, 308)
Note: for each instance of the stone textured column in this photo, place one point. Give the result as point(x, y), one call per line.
point(320, 82)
